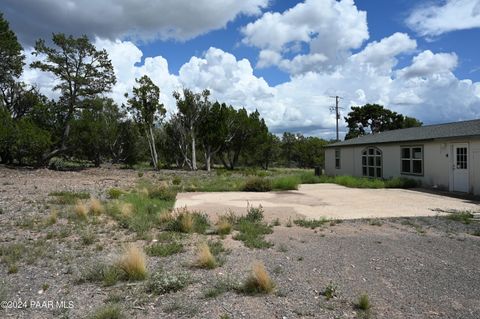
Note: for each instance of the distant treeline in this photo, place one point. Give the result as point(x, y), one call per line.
point(82, 124)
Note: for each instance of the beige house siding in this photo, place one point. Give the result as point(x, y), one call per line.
point(437, 162)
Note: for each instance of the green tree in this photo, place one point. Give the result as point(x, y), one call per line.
point(11, 57)
point(309, 151)
point(147, 111)
point(374, 118)
point(190, 106)
point(246, 131)
point(83, 72)
point(268, 150)
point(213, 128)
point(95, 133)
point(288, 148)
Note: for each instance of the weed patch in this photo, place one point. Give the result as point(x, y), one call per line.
point(68, 198)
point(311, 223)
point(257, 184)
point(164, 249)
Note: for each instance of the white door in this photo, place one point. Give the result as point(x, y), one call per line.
point(460, 167)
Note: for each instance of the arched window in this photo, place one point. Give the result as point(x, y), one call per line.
point(372, 162)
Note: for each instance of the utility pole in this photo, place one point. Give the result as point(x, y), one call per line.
point(337, 112)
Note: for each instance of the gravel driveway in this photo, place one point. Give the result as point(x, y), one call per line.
point(328, 200)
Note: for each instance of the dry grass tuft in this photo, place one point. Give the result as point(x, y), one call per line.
point(96, 207)
point(166, 217)
point(186, 222)
point(259, 280)
point(81, 210)
point(224, 227)
point(144, 191)
point(133, 263)
point(126, 209)
point(205, 258)
point(52, 218)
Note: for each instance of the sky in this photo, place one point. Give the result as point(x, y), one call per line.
point(285, 58)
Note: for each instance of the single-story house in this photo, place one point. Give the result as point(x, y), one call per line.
point(443, 156)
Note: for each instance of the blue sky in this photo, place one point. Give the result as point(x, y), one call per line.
point(284, 58)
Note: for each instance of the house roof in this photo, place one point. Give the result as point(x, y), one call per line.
point(428, 132)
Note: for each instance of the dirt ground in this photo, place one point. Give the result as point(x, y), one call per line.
point(328, 200)
point(416, 267)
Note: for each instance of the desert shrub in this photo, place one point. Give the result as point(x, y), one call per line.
point(188, 222)
point(114, 193)
point(259, 280)
point(162, 282)
point(330, 291)
point(254, 214)
point(286, 183)
point(257, 184)
point(133, 263)
point(164, 249)
point(107, 312)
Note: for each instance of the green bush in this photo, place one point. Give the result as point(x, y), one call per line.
point(401, 182)
point(254, 214)
point(286, 183)
point(257, 184)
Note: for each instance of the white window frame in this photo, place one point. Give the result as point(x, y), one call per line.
point(338, 158)
point(411, 159)
point(367, 166)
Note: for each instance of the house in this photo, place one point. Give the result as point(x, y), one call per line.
point(444, 156)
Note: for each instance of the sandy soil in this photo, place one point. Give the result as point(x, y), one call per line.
point(328, 200)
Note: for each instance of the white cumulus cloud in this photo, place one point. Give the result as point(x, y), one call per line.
point(450, 15)
point(330, 28)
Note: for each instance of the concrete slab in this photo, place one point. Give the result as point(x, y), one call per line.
point(326, 200)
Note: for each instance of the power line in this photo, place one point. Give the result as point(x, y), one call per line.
point(337, 112)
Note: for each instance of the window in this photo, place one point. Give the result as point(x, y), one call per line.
point(372, 162)
point(461, 158)
point(412, 160)
point(337, 158)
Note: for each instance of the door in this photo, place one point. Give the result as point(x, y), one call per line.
point(460, 167)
